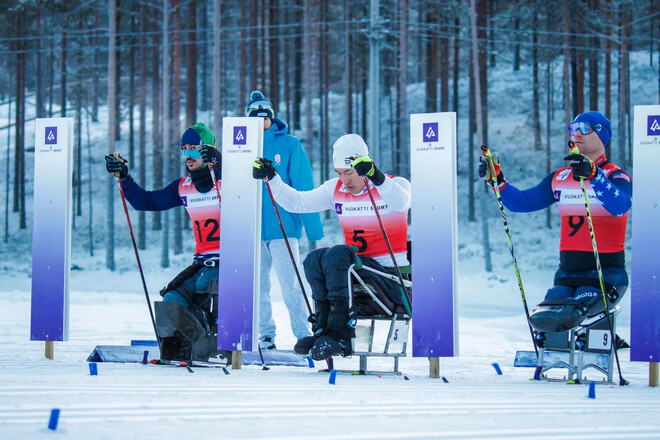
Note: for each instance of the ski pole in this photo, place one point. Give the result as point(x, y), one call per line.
point(406, 295)
point(288, 246)
point(491, 167)
point(215, 181)
point(137, 258)
point(622, 381)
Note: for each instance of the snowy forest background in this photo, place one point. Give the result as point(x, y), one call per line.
point(134, 74)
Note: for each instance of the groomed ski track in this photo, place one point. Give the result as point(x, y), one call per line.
point(135, 401)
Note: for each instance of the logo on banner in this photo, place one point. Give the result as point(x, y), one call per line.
point(653, 125)
point(240, 135)
point(51, 136)
point(430, 132)
point(278, 159)
point(338, 208)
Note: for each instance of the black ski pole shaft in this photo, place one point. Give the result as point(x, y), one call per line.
point(491, 167)
point(599, 271)
point(288, 246)
point(137, 257)
point(408, 299)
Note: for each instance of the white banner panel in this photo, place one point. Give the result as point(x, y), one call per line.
point(240, 235)
point(51, 229)
point(645, 269)
point(434, 234)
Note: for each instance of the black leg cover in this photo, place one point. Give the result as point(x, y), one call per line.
point(182, 335)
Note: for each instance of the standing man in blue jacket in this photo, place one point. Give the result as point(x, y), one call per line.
point(293, 166)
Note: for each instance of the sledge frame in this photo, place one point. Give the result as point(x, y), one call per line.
point(395, 323)
point(576, 358)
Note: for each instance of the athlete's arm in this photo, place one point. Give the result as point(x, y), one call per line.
point(613, 191)
point(158, 200)
point(318, 199)
point(532, 199)
point(396, 192)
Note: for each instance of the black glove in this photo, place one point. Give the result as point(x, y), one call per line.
point(364, 166)
point(484, 169)
point(116, 165)
point(211, 155)
point(263, 168)
point(581, 166)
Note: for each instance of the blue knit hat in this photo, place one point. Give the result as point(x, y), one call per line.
point(259, 106)
point(600, 124)
point(198, 134)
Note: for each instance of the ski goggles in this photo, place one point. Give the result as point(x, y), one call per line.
point(192, 153)
point(583, 127)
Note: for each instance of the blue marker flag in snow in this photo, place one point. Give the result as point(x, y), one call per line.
point(498, 370)
point(310, 362)
point(592, 390)
point(54, 417)
point(51, 229)
point(645, 271)
point(434, 231)
point(93, 369)
point(333, 377)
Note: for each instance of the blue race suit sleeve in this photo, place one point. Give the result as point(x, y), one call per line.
point(158, 200)
point(532, 199)
point(302, 179)
point(614, 192)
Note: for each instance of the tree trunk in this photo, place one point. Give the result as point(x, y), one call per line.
point(431, 19)
point(142, 130)
point(174, 162)
point(95, 70)
point(535, 82)
point(567, 63)
point(516, 44)
point(457, 34)
point(217, 65)
point(307, 37)
point(165, 248)
point(110, 213)
point(348, 69)
point(273, 53)
point(63, 63)
point(593, 65)
point(192, 81)
point(623, 87)
point(156, 118)
point(39, 86)
point(131, 93)
point(474, 10)
point(118, 74)
point(402, 107)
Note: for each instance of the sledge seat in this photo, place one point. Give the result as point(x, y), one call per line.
point(381, 328)
point(588, 345)
point(189, 334)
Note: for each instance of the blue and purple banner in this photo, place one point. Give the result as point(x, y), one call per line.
point(434, 234)
point(645, 270)
point(240, 235)
point(51, 229)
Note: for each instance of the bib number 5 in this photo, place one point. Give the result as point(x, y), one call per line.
point(362, 242)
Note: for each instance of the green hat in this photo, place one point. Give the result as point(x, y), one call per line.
point(198, 134)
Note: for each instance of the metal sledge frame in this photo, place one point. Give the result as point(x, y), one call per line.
point(580, 335)
point(395, 323)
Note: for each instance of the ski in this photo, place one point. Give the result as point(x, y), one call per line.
point(189, 365)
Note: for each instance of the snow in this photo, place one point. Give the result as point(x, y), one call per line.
point(146, 401)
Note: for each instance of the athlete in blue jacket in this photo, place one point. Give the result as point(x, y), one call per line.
point(293, 166)
point(576, 292)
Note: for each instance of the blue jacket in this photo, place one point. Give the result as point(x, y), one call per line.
point(293, 166)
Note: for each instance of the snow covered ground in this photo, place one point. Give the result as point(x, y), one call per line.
point(147, 401)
